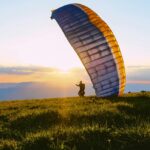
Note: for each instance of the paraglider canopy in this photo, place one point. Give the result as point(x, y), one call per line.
point(96, 46)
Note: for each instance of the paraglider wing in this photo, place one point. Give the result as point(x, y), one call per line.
point(96, 45)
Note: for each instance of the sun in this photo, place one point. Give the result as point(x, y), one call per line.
point(65, 70)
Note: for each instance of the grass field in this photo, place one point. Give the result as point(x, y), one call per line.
point(88, 123)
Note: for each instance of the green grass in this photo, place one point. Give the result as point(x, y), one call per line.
point(88, 123)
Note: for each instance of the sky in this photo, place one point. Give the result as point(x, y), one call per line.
point(32, 45)
point(29, 37)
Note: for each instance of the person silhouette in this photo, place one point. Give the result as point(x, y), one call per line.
point(81, 92)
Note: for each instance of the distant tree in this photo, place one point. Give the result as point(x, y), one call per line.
point(143, 91)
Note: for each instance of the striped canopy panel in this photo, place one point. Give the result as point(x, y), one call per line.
point(96, 45)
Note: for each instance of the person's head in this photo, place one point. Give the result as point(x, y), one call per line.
point(80, 81)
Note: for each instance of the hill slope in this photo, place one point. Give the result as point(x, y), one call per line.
point(76, 123)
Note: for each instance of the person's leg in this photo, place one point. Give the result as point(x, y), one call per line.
point(80, 93)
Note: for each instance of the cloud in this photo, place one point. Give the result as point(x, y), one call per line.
point(25, 73)
point(138, 74)
point(25, 70)
point(30, 90)
point(135, 74)
point(39, 82)
point(42, 74)
point(138, 78)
